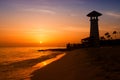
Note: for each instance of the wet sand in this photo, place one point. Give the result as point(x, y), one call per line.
point(83, 64)
point(21, 70)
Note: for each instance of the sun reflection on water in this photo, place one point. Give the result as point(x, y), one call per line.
point(46, 62)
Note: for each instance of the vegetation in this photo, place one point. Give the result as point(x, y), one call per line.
point(107, 36)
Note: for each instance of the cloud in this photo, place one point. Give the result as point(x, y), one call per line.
point(73, 15)
point(40, 10)
point(43, 30)
point(113, 14)
point(71, 28)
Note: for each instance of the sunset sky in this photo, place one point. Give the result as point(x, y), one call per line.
point(53, 22)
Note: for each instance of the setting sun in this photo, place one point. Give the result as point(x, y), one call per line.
point(41, 42)
point(44, 21)
point(59, 39)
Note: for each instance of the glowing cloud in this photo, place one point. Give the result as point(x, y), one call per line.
point(113, 14)
point(40, 10)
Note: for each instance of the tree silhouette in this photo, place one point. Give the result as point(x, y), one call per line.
point(107, 34)
point(114, 33)
point(102, 38)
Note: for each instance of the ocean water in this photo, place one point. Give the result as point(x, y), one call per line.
point(16, 63)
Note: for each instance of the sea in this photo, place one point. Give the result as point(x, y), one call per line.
point(17, 63)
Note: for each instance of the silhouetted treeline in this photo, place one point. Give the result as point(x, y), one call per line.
point(110, 42)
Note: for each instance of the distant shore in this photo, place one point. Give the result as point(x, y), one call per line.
point(83, 64)
point(57, 49)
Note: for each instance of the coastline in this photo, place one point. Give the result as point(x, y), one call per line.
point(21, 70)
point(83, 64)
point(57, 49)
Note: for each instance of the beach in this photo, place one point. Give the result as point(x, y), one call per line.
point(80, 64)
point(17, 63)
point(83, 64)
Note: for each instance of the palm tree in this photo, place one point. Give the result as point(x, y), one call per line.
point(102, 38)
point(107, 34)
point(114, 33)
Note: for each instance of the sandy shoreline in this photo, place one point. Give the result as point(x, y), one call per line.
point(21, 70)
point(83, 64)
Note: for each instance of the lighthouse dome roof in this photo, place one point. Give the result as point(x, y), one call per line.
point(94, 14)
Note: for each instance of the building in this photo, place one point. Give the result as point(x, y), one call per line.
point(94, 28)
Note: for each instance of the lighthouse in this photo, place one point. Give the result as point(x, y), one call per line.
point(94, 28)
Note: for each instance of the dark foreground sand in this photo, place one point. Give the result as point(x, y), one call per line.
point(84, 64)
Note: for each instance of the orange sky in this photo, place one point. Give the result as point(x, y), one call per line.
point(51, 29)
point(49, 24)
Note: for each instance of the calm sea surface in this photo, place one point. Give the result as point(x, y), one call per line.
point(16, 63)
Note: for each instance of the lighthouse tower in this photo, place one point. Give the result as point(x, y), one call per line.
point(94, 30)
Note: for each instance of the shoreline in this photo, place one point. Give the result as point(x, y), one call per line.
point(21, 70)
point(57, 49)
point(83, 64)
